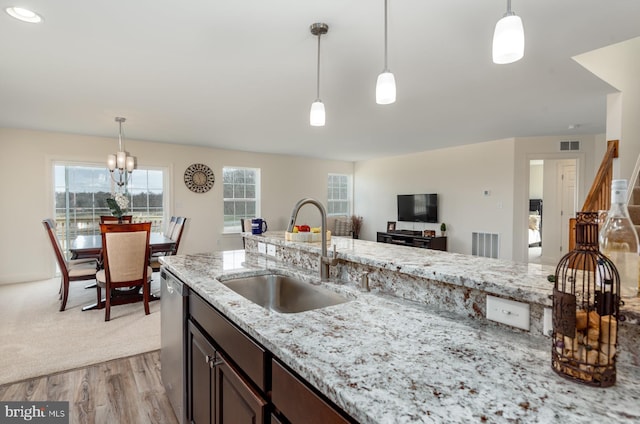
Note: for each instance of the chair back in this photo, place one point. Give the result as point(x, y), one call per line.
point(245, 225)
point(50, 227)
point(125, 250)
point(109, 219)
point(176, 236)
point(171, 226)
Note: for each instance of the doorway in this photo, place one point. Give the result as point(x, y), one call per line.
point(552, 201)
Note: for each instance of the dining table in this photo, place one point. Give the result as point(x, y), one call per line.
point(90, 246)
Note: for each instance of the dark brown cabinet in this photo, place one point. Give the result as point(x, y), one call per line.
point(217, 393)
point(233, 380)
point(200, 377)
point(291, 396)
point(413, 239)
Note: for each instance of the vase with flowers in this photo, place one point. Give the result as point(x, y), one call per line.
point(118, 205)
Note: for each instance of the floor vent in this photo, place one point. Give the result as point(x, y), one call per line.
point(485, 244)
point(569, 146)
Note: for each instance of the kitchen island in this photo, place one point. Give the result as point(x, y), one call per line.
point(387, 359)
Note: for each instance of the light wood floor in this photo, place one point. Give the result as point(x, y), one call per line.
point(127, 390)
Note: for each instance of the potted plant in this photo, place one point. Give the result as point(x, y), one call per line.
point(356, 225)
point(443, 229)
point(118, 205)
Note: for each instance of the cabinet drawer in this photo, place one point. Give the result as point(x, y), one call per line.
point(248, 356)
point(297, 402)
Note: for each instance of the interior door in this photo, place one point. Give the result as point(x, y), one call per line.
point(568, 199)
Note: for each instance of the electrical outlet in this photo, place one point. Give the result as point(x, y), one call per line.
point(262, 248)
point(508, 312)
point(271, 250)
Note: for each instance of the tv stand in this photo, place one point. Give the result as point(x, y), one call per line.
point(413, 239)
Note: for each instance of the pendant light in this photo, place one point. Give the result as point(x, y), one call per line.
point(317, 115)
point(121, 161)
point(508, 38)
point(386, 84)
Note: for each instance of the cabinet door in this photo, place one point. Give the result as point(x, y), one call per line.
point(298, 403)
point(236, 401)
point(200, 377)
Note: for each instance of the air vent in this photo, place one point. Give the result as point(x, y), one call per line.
point(569, 146)
point(485, 244)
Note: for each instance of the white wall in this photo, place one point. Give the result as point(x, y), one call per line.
point(26, 188)
point(535, 181)
point(619, 65)
point(459, 175)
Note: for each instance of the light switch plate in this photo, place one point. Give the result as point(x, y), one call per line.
point(508, 312)
point(262, 248)
point(271, 250)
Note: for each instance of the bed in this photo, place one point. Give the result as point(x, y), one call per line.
point(535, 222)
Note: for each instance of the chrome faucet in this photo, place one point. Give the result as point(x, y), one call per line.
point(325, 260)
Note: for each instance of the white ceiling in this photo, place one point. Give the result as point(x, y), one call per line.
point(241, 74)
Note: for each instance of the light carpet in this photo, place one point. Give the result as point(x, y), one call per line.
point(36, 339)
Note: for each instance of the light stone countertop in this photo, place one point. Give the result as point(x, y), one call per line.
point(519, 281)
point(386, 360)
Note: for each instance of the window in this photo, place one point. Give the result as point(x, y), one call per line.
point(81, 192)
point(338, 194)
point(241, 196)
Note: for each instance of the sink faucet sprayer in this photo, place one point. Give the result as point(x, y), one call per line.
point(325, 261)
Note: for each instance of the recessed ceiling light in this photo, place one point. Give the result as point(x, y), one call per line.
point(24, 15)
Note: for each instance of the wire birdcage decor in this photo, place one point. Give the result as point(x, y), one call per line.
point(586, 306)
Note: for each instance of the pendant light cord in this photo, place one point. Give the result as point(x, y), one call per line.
point(318, 72)
point(120, 133)
point(386, 68)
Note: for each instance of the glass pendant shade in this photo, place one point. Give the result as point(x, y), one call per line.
point(508, 40)
point(386, 88)
point(111, 162)
point(317, 116)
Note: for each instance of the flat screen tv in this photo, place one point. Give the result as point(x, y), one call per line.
point(418, 207)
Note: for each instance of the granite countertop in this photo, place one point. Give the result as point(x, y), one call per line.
point(519, 281)
point(386, 360)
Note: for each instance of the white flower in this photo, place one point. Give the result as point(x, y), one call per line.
point(122, 201)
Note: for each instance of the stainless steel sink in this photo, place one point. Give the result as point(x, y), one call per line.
point(284, 294)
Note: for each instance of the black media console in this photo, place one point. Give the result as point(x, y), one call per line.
point(413, 239)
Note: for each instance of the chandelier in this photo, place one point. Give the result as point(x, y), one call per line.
point(121, 161)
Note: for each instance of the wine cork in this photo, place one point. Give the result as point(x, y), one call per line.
point(593, 357)
point(593, 334)
point(608, 349)
point(594, 320)
point(608, 329)
point(581, 319)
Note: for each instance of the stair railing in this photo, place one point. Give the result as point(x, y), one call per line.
point(599, 196)
point(633, 181)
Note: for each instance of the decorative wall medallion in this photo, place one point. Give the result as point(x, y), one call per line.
point(199, 178)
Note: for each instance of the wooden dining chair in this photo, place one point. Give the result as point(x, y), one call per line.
point(125, 252)
point(176, 236)
point(171, 226)
point(110, 219)
point(70, 270)
point(245, 227)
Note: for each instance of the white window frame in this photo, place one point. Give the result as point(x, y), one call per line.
point(64, 233)
point(330, 198)
point(236, 226)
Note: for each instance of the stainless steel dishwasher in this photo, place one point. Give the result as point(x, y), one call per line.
point(173, 307)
